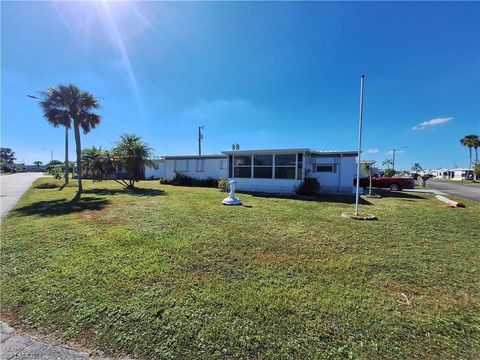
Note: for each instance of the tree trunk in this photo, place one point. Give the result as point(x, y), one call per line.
point(470, 162)
point(476, 162)
point(66, 156)
point(79, 156)
point(370, 187)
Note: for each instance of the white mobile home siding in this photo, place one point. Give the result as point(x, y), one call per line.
point(203, 167)
point(340, 180)
point(152, 173)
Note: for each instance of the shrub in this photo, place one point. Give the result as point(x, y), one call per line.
point(185, 180)
point(389, 173)
point(309, 186)
point(56, 172)
point(223, 184)
point(163, 180)
point(47, 185)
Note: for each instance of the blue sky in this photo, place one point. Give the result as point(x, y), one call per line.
point(264, 75)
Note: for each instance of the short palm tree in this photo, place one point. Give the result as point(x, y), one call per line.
point(387, 162)
point(416, 168)
point(470, 141)
point(98, 163)
point(368, 168)
point(38, 163)
point(67, 105)
point(132, 154)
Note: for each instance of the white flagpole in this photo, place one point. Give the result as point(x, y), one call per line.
point(360, 122)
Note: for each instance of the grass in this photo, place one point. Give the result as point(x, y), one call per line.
point(168, 272)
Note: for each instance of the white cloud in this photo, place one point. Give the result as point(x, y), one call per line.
point(427, 124)
point(372, 151)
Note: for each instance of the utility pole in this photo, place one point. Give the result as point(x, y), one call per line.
point(360, 122)
point(393, 151)
point(393, 161)
point(200, 138)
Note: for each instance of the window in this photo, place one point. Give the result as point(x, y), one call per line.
point(243, 160)
point(262, 172)
point(284, 172)
point(243, 171)
point(230, 166)
point(325, 168)
point(263, 160)
point(285, 166)
point(222, 164)
point(285, 159)
point(242, 166)
point(199, 166)
point(262, 166)
point(180, 165)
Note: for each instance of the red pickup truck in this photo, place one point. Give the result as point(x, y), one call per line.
point(392, 183)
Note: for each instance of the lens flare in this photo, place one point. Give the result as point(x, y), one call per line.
point(111, 23)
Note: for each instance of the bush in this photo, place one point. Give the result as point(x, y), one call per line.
point(47, 185)
point(57, 172)
point(184, 180)
point(223, 184)
point(389, 173)
point(309, 186)
point(163, 180)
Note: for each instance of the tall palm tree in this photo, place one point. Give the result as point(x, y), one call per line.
point(476, 145)
point(56, 118)
point(133, 154)
point(66, 105)
point(469, 141)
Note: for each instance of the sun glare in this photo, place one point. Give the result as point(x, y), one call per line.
point(109, 23)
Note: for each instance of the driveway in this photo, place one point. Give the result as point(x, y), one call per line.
point(470, 192)
point(12, 188)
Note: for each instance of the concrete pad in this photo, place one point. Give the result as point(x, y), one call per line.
point(5, 329)
point(41, 351)
point(12, 346)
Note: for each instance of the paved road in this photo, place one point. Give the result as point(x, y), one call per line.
point(12, 188)
point(470, 192)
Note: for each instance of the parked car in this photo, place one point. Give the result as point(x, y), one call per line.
point(393, 183)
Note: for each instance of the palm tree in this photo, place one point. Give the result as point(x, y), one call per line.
point(416, 168)
point(470, 141)
point(98, 163)
point(476, 145)
point(368, 168)
point(38, 163)
point(387, 162)
point(68, 105)
point(132, 154)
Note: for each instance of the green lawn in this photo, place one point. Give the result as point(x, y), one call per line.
point(170, 273)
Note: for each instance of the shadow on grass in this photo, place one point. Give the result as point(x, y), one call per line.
point(134, 192)
point(342, 199)
point(62, 206)
point(397, 194)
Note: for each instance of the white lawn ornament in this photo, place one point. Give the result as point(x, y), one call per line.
point(232, 199)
